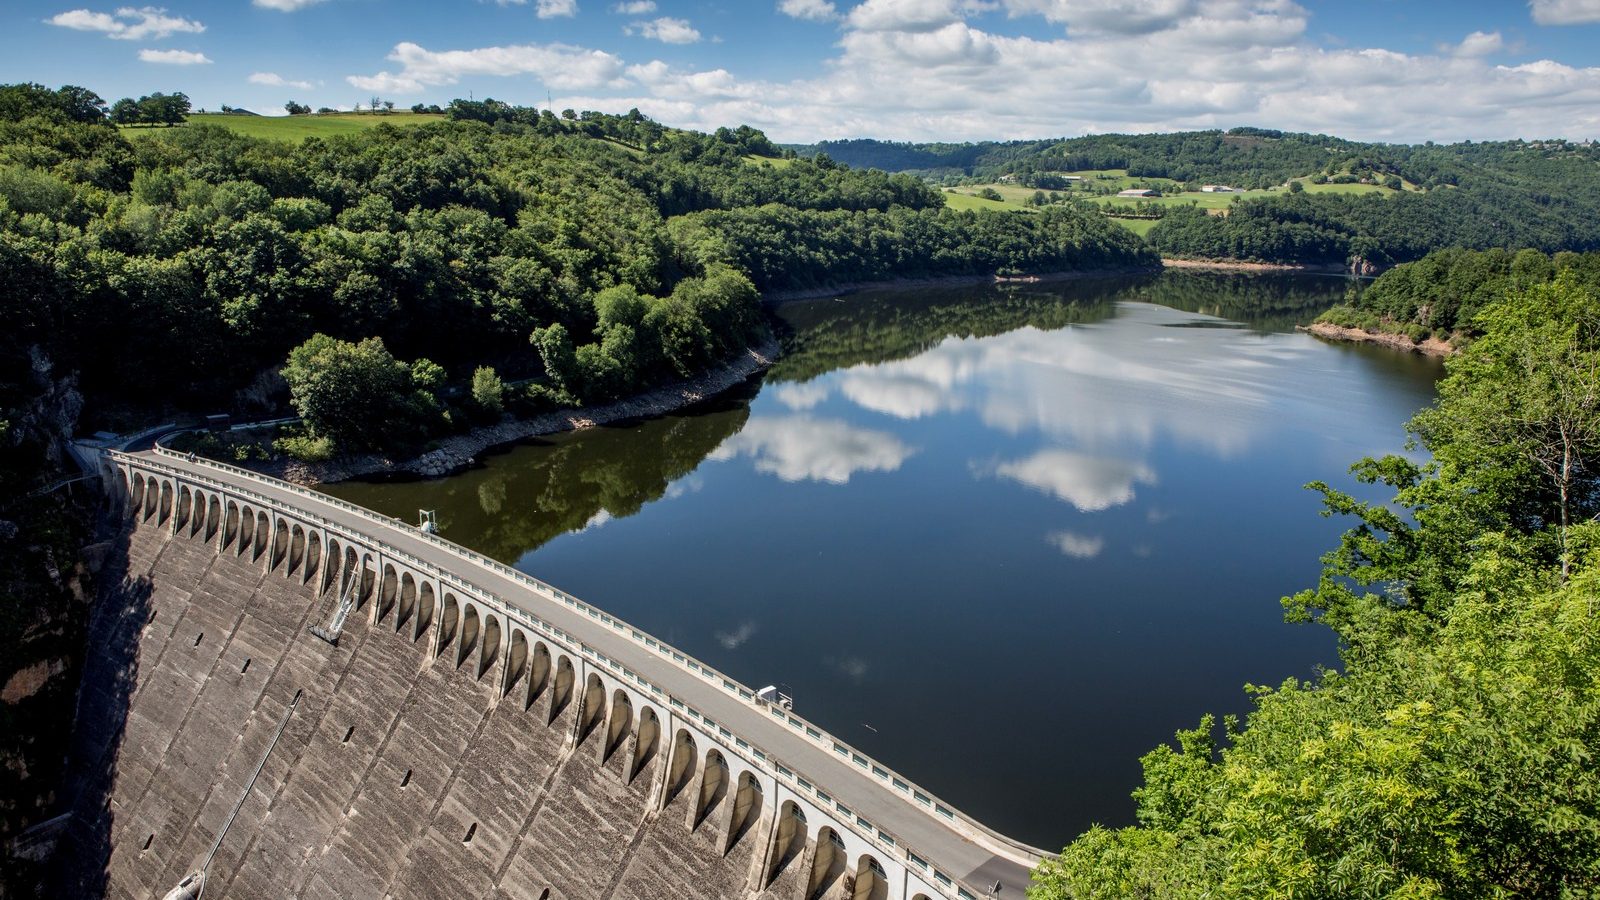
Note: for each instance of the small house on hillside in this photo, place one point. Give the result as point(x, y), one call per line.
point(1138, 192)
point(1216, 189)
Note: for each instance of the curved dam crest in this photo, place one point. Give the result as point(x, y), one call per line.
point(470, 732)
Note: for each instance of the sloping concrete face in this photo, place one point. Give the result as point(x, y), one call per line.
point(403, 771)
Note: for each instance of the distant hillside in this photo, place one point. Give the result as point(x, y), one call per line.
point(1301, 198)
point(1243, 157)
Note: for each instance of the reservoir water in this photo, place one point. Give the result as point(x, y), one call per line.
point(1006, 539)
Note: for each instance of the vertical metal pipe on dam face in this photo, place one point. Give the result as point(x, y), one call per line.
point(887, 818)
point(245, 794)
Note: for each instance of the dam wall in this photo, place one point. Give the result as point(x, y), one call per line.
point(442, 746)
point(399, 774)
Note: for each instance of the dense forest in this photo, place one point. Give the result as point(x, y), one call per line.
point(1453, 755)
point(455, 242)
point(1543, 195)
point(1442, 293)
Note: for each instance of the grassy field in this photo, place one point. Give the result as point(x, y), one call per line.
point(1014, 200)
point(1185, 198)
point(298, 128)
point(1012, 197)
point(1121, 180)
point(1016, 197)
point(777, 162)
point(958, 200)
point(1141, 227)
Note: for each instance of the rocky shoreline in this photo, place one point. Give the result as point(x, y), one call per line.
point(1239, 265)
point(1431, 346)
point(460, 451)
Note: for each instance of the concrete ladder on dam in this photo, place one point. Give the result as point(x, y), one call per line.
point(347, 602)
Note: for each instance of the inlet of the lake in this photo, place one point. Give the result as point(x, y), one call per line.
point(1007, 539)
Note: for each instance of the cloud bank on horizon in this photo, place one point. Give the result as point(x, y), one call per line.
point(939, 69)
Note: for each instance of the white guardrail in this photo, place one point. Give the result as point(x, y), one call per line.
point(929, 803)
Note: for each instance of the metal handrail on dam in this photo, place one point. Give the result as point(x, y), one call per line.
point(968, 845)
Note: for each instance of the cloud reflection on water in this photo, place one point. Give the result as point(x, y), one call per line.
point(805, 448)
point(1110, 387)
point(1077, 546)
point(1089, 483)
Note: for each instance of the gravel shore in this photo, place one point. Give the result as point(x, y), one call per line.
point(459, 451)
point(1429, 347)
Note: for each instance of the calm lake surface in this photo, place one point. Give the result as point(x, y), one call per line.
point(1005, 539)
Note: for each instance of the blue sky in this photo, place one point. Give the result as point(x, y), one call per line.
point(1404, 70)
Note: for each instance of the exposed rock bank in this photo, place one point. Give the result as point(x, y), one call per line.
point(455, 453)
point(1239, 265)
point(1431, 346)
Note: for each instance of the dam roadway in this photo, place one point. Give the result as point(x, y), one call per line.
point(926, 830)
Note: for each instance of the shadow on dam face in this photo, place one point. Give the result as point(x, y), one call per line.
point(123, 610)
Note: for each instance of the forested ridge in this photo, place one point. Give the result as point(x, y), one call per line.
point(1543, 195)
point(453, 242)
point(1441, 294)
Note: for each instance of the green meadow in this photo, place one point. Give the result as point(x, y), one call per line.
point(298, 128)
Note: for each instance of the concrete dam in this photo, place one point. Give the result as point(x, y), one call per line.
point(290, 696)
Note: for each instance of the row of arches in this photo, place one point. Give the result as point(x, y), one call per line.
point(820, 858)
point(715, 789)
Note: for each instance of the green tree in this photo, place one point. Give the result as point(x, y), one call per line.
point(127, 112)
point(1523, 405)
point(356, 395)
point(488, 392)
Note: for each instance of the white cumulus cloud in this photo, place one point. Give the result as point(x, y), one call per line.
point(1565, 12)
point(285, 5)
point(174, 57)
point(550, 9)
point(811, 10)
point(273, 79)
point(128, 23)
point(912, 15)
point(930, 70)
point(557, 65)
point(1480, 43)
point(1110, 16)
point(667, 30)
point(635, 7)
